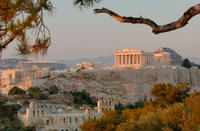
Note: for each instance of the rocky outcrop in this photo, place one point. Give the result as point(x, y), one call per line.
point(125, 85)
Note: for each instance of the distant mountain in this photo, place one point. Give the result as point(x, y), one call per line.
point(106, 61)
point(195, 60)
point(9, 63)
point(19, 63)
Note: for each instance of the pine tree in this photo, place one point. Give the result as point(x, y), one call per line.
point(186, 63)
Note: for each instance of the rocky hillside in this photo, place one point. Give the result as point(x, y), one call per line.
point(125, 85)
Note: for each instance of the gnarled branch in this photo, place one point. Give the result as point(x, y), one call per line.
point(156, 29)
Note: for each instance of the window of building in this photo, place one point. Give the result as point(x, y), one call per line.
point(63, 120)
point(43, 113)
point(76, 120)
point(70, 120)
point(109, 103)
point(47, 123)
point(38, 113)
point(33, 113)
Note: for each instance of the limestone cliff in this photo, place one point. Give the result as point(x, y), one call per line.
point(125, 85)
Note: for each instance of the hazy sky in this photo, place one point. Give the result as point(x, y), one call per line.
point(80, 33)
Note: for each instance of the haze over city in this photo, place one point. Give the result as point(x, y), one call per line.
point(80, 33)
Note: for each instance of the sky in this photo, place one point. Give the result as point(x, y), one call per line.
point(82, 34)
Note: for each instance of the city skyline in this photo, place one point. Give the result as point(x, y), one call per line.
point(80, 33)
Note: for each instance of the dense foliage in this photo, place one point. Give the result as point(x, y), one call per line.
point(173, 109)
point(186, 63)
point(20, 17)
point(8, 117)
point(36, 93)
point(53, 89)
point(16, 91)
point(83, 97)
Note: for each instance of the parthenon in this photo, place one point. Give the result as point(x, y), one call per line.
point(138, 58)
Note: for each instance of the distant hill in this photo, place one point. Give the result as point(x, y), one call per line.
point(19, 63)
point(195, 60)
point(9, 63)
point(106, 61)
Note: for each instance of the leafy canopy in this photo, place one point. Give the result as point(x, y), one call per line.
point(21, 18)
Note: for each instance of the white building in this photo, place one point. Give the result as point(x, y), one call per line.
point(23, 78)
point(137, 58)
point(60, 117)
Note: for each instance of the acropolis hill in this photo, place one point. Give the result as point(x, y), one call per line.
point(125, 85)
point(131, 78)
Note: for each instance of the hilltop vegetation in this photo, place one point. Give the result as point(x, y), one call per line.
point(8, 117)
point(172, 110)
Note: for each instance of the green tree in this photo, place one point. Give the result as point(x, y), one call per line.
point(36, 93)
point(16, 91)
point(179, 113)
point(19, 17)
point(53, 89)
point(170, 93)
point(2, 99)
point(186, 63)
point(83, 97)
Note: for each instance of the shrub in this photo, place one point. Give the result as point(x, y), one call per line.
point(83, 98)
point(36, 93)
point(186, 63)
point(53, 89)
point(16, 91)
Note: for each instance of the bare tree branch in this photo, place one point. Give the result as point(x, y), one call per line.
point(156, 29)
